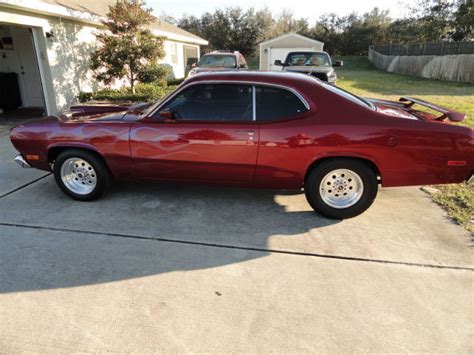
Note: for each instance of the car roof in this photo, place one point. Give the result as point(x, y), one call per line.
point(308, 52)
point(222, 53)
point(281, 78)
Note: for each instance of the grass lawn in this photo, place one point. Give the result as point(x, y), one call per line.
point(360, 77)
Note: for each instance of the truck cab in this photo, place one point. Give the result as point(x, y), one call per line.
point(314, 63)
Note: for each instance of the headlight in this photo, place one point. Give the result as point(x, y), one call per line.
point(332, 77)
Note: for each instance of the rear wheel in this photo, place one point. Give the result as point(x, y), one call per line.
point(81, 174)
point(341, 188)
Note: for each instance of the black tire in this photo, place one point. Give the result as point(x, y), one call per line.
point(102, 174)
point(313, 190)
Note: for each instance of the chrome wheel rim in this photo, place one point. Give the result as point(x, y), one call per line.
point(341, 188)
point(78, 176)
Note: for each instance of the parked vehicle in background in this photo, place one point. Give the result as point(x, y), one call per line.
point(315, 63)
point(255, 129)
point(219, 61)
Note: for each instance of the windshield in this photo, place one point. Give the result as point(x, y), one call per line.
point(348, 95)
point(308, 59)
point(209, 61)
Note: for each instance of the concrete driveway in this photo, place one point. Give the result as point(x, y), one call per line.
point(197, 269)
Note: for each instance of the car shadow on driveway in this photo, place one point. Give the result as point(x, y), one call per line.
point(112, 239)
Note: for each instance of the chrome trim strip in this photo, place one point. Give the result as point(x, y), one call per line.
point(254, 103)
point(241, 82)
point(22, 162)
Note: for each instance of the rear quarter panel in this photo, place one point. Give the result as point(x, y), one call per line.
point(405, 151)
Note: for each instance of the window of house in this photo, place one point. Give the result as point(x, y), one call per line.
point(174, 53)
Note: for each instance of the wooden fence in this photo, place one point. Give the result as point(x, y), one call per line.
point(438, 48)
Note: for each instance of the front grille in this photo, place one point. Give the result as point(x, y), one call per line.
point(321, 76)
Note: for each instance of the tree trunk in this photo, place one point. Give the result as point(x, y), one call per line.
point(132, 83)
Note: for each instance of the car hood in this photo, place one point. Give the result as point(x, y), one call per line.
point(68, 116)
point(103, 112)
point(309, 69)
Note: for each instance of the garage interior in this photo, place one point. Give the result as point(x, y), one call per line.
point(21, 90)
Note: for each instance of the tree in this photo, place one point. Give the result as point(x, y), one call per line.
point(463, 21)
point(436, 20)
point(231, 28)
point(126, 44)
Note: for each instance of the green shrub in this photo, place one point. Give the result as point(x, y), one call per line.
point(154, 73)
point(85, 96)
point(143, 93)
point(153, 91)
point(175, 82)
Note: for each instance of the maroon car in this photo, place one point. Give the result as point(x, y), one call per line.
point(263, 130)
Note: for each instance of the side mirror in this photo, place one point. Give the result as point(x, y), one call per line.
point(278, 63)
point(338, 63)
point(167, 115)
point(242, 66)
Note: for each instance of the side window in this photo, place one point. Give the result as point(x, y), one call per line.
point(277, 104)
point(212, 102)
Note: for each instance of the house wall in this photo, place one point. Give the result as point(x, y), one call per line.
point(287, 42)
point(64, 60)
point(174, 58)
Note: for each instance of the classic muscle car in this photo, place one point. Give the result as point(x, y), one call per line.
point(262, 130)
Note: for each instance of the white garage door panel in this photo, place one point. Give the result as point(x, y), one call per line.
point(280, 54)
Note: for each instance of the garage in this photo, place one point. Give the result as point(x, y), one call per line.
point(21, 91)
point(277, 49)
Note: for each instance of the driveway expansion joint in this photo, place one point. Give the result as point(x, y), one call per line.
point(236, 247)
point(24, 185)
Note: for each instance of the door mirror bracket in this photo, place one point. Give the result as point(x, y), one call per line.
point(167, 115)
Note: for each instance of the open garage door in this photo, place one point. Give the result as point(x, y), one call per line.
point(21, 90)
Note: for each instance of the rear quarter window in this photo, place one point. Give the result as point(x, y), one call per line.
point(274, 104)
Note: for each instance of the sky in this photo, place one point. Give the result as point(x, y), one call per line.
point(309, 9)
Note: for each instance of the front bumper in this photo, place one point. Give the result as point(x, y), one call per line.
point(22, 162)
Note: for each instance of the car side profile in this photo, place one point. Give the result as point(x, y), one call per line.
point(261, 130)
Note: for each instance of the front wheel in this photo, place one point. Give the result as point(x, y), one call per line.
point(341, 188)
point(81, 175)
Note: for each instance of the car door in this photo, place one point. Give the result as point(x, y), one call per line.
point(286, 143)
point(205, 132)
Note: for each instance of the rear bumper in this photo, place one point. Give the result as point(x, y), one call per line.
point(21, 161)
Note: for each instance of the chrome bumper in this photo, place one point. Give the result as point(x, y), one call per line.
point(21, 161)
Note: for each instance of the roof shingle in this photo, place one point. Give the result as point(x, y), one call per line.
point(101, 8)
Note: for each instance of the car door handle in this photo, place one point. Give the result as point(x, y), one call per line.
point(250, 133)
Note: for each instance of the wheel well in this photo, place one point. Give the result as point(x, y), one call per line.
point(368, 162)
point(55, 151)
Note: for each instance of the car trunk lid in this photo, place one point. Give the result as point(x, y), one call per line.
point(404, 108)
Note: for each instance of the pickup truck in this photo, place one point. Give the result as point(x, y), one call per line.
point(315, 63)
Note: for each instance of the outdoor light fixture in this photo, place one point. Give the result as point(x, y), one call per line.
point(50, 35)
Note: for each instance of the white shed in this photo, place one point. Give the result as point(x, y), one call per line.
point(279, 47)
